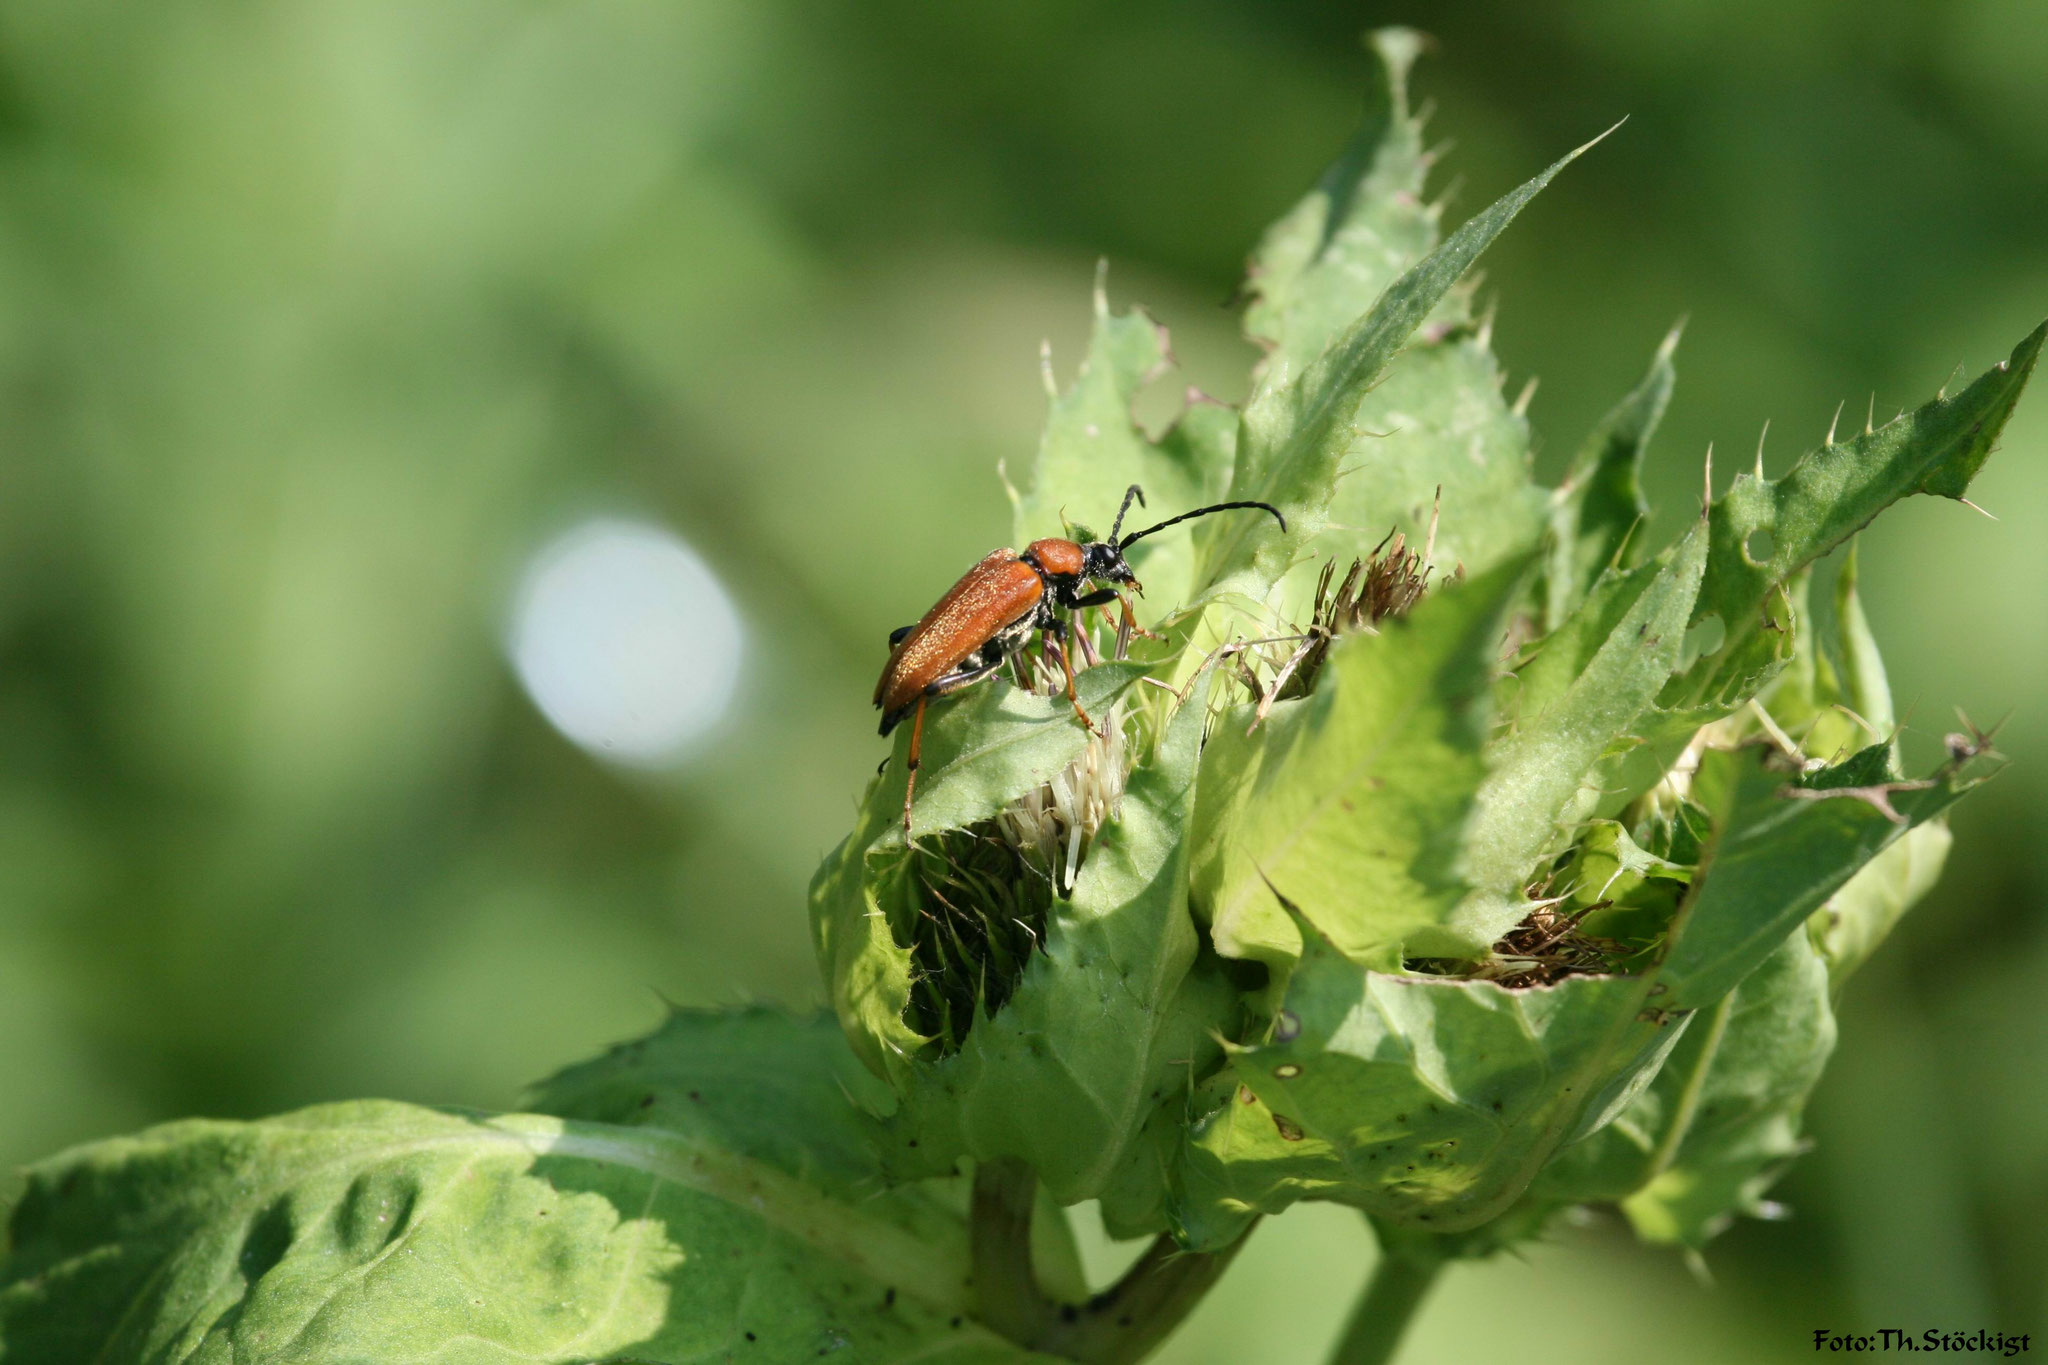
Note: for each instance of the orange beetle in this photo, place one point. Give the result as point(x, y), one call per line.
point(996, 606)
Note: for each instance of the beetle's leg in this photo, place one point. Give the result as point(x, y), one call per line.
point(1067, 666)
point(910, 768)
point(1104, 596)
point(1086, 640)
point(961, 677)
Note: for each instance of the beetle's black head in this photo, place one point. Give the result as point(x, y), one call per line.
point(1105, 561)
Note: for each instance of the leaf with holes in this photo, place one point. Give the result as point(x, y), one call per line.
point(379, 1231)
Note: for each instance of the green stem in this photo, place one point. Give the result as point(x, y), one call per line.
point(1407, 1269)
point(1120, 1325)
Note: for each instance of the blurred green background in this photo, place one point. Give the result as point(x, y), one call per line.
point(318, 318)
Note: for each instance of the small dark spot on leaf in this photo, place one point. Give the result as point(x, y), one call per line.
point(913, 1142)
point(1400, 1118)
point(647, 1101)
point(750, 1336)
point(954, 1323)
point(1345, 802)
point(1068, 1313)
point(1289, 1130)
point(1123, 1320)
point(1245, 1095)
point(889, 1297)
point(1376, 783)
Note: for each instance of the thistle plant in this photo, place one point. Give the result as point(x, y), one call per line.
point(1454, 854)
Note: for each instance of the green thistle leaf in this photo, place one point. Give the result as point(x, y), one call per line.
point(1638, 618)
point(1298, 425)
point(1764, 531)
point(1347, 804)
point(1428, 1103)
point(1781, 849)
point(1599, 508)
point(1108, 1023)
point(388, 1232)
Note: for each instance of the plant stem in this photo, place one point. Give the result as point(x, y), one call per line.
point(1119, 1325)
point(1407, 1268)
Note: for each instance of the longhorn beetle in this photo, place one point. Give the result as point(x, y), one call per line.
point(992, 611)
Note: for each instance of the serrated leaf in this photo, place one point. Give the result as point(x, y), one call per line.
point(1347, 804)
point(1851, 924)
point(379, 1231)
point(1720, 1119)
point(1107, 1022)
point(788, 1090)
point(1436, 419)
point(1092, 449)
point(1297, 426)
point(1430, 1104)
point(1434, 431)
point(1600, 505)
point(1321, 266)
point(1776, 858)
point(1535, 773)
point(1732, 1096)
point(1829, 495)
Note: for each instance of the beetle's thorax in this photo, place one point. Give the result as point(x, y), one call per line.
point(1056, 558)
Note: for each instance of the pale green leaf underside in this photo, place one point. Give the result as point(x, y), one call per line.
point(1347, 804)
point(1536, 770)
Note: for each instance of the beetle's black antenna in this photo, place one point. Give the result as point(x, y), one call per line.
point(1198, 512)
point(1132, 492)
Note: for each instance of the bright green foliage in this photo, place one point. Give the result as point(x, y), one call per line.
point(1731, 1100)
point(1093, 449)
point(1532, 890)
point(1427, 1103)
point(726, 1200)
point(1319, 270)
point(1777, 858)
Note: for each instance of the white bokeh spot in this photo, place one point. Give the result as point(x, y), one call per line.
point(626, 640)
